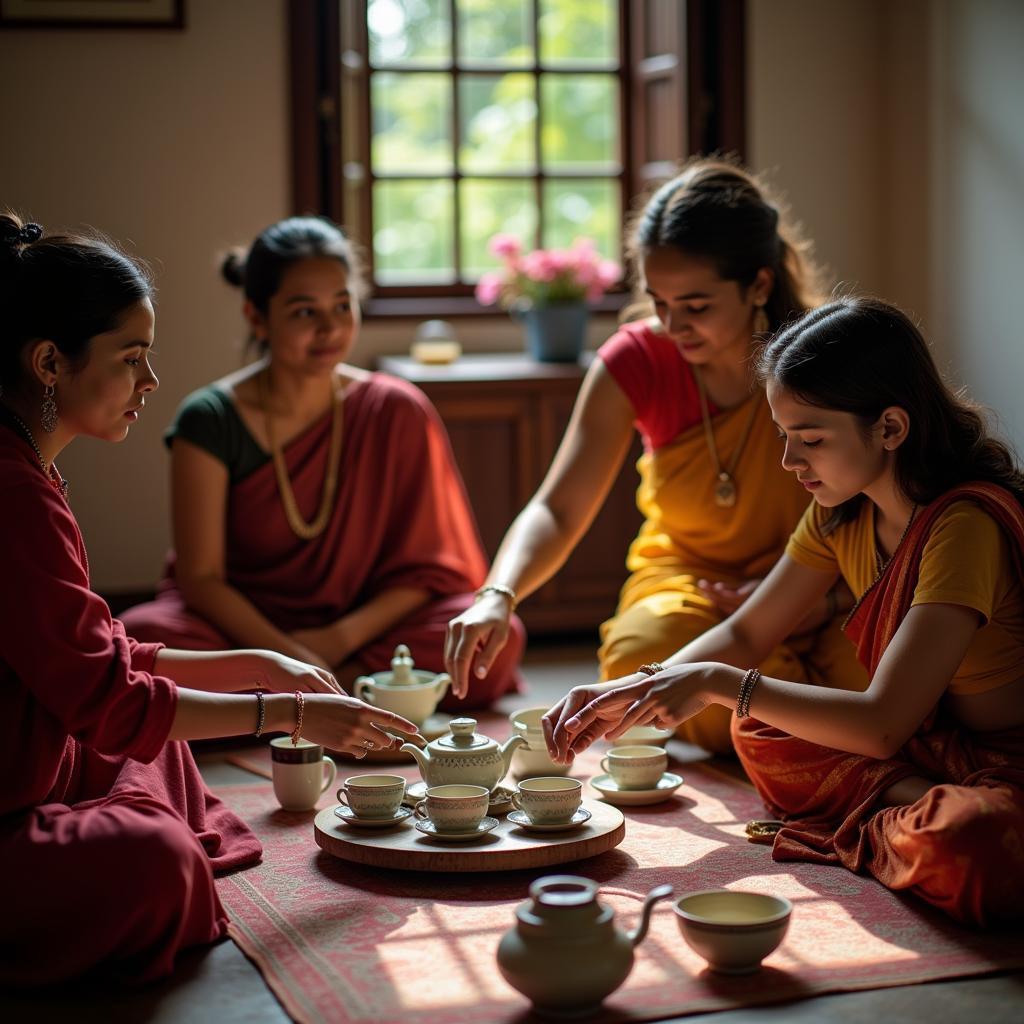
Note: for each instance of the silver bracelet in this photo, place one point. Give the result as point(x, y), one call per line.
point(499, 588)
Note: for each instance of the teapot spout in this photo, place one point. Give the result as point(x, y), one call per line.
point(417, 753)
point(507, 749)
point(658, 893)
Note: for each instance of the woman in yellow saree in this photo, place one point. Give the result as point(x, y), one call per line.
point(721, 271)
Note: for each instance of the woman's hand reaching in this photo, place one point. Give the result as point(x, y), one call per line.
point(476, 636)
point(353, 727)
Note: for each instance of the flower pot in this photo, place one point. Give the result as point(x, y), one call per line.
point(555, 333)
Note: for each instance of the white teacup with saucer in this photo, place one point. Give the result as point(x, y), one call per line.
point(613, 793)
point(580, 817)
point(353, 820)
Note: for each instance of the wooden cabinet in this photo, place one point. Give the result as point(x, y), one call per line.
point(505, 415)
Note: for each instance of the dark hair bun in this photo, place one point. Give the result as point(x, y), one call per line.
point(15, 234)
point(232, 269)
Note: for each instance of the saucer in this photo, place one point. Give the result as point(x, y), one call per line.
point(427, 827)
point(520, 818)
point(349, 817)
point(500, 802)
point(436, 725)
point(609, 789)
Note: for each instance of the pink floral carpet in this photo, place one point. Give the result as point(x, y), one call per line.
point(338, 942)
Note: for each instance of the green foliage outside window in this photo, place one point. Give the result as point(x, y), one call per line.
point(501, 175)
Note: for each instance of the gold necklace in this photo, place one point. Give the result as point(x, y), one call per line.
point(725, 486)
point(881, 566)
point(302, 529)
point(59, 484)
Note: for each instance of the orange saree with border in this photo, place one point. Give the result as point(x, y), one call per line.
point(961, 845)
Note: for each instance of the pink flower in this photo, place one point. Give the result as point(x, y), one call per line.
point(608, 272)
point(488, 289)
point(505, 247)
point(541, 265)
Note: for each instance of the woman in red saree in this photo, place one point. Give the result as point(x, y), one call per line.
point(108, 837)
point(317, 507)
point(918, 780)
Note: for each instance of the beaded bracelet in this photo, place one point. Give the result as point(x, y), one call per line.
point(652, 668)
point(261, 713)
point(499, 588)
point(750, 678)
point(299, 701)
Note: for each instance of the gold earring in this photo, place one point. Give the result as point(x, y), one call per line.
point(761, 325)
point(48, 414)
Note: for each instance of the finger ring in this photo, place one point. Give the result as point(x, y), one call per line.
point(368, 744)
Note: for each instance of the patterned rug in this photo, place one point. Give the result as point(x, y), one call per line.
point(338, 942)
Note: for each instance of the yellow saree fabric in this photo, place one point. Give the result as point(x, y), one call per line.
point(686, 537)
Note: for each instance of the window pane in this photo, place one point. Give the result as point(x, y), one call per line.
point(411, 122)
point(497, 114)
point(580, 121)
point(413, 232)
point(409, 30)
point(495, 31)
point(490, 207)
point(574, 209)
point(579, 32)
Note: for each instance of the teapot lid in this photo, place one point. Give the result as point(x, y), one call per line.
point(464, 736)
point(401, 667)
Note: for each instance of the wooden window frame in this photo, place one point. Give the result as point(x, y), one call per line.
point(702, 64)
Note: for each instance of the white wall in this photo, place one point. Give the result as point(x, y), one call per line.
point(977, 203)
point(176, 144)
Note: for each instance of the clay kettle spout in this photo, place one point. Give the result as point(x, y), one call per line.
point(660, 892)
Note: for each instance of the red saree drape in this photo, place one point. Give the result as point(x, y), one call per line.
point(961, 846)
point(401, 519)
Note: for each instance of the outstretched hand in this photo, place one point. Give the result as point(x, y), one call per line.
point(281, 674)
point(354, 727)
point(474, 639)
point(586, 713)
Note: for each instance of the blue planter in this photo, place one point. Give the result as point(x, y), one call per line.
point(555, 334)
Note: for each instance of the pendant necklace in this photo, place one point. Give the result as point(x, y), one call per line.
point(302, 529)
point(881, 565)
point(725, 484)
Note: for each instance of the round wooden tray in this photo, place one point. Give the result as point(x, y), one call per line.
point(508, 847)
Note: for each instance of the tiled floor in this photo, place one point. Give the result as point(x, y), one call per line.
point(219, 985)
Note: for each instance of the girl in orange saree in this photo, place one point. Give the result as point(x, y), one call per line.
point(918, 780)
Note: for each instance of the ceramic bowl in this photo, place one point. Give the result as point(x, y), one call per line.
point(734, 931)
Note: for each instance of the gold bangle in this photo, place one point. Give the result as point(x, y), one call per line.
point(652, 668)
point(499, 588)
point(261, 713)
point(299, 703)
point(750, 678)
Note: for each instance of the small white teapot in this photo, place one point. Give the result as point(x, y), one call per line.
point(564, 952)
point(464, 758)
point(410, 692)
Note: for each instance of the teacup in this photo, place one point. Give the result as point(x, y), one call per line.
point(635, 767)
point(373, 796)
point(415, 701)
point(533, 759)
point(548, 801)
point(301, 773)
point(733, 930)
point(454, 808)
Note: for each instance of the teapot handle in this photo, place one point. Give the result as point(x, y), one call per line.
point(362, 685)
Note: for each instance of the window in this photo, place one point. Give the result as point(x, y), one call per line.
point(427, 126)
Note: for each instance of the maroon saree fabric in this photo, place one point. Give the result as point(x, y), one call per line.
point(401, 519)
point(961, 846)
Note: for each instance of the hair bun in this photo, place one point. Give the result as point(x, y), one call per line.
point(232, 267)
point(30, 233)
point(15, 235)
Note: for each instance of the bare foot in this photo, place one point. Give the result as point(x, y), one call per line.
point(906, 791)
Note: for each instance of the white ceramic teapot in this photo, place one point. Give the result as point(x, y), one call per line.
point(564, 952)
point(408, 691)
point(464, 757)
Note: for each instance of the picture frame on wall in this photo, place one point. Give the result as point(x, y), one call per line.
point(92, 14)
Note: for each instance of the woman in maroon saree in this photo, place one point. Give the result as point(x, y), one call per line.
point(108, 836)
point(919, 780)
point(317, 507)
